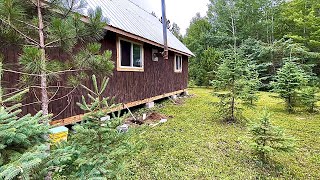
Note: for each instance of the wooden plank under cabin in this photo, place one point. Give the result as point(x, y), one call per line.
point(78, 118)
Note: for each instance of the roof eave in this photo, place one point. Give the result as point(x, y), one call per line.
point(142, 39)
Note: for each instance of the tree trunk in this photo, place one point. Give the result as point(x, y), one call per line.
point(234, 33)
point(233, 108)
point(43, 78)
point(44, 93)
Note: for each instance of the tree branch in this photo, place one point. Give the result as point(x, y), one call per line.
point(9, 94)
point(28, 24)
point(19, 32)
point(17, 72)
point(65, 71)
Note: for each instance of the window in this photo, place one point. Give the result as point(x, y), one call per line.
point(178, 63)
point(130, 57)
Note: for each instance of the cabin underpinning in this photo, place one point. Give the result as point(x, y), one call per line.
point(174, 97)
point(78, 118)
point(149, 105)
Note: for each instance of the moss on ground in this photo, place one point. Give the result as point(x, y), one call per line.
point(194, 145)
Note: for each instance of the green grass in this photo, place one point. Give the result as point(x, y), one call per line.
point(194, 145)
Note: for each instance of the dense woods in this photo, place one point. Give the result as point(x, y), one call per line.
point(266, 32)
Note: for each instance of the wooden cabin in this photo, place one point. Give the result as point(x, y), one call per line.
point(135, 38)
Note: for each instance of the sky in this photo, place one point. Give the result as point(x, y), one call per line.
point(178, 11)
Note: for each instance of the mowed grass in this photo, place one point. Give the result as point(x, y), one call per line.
point(193, 144)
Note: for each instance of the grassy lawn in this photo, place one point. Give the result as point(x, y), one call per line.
point(194, 145)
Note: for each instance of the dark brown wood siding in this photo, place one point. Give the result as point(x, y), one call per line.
point(158, 78)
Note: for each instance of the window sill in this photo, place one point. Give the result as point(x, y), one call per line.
point(178, 71)
point(130, 69)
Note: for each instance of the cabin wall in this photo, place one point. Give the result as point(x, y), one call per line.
point(158, 78)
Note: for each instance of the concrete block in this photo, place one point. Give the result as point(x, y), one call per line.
point(185, 93)
point(149, 105)
point(144, 116)
point(174, 97)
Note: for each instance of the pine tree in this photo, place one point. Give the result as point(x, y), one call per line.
point(240, 79)
point(38, 26)
point(268, 139)
point(98, 144)
point(22, 144)
point(288, 80)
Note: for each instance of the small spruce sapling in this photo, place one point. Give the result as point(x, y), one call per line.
point(289, 79)
point(268, 139)
point(98, 144)
point(308, 97)
point(23, 147)
point(240, 79)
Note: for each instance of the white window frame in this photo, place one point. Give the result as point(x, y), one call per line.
point(131, 67)
point(176, 70)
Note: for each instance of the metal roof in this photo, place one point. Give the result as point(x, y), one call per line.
point(129, 17)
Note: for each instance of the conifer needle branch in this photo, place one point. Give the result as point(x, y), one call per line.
point(19, 32)
point(28, 24)
point(57, 40)
point(15, 92)
point(17, 72)
point(66, 71)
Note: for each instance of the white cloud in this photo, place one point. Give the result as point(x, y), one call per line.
point(178, 11)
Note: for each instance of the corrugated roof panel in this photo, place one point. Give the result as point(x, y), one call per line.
point(127, 16)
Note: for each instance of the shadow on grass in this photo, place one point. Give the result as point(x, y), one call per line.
point(271, 169)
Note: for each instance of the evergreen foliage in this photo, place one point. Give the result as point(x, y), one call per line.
point(97, 145)
point(268, 139)
point(23, 147)
point(240, 79)
point(289, 79)
point(308, 97)
point(267, 31)
point(40, 27)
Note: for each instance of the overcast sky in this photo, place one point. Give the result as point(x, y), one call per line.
point(178, 11)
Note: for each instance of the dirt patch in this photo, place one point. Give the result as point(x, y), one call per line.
point(152, 118)
point(179, 101)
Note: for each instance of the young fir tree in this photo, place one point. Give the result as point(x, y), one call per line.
point(288, 80)
point(308, 97)
point(268, 139)
point(98, 145)
point(240, 79)
point(23, 147)
point(40, 27)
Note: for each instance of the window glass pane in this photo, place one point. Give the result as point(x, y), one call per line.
point(125, 53)
point(137, 59)
point(177, 62)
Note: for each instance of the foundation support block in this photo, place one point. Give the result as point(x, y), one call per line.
point(185, 93)
point(150, 105)
point(174, 97)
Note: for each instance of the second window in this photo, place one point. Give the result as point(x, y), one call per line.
point(178, 63)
